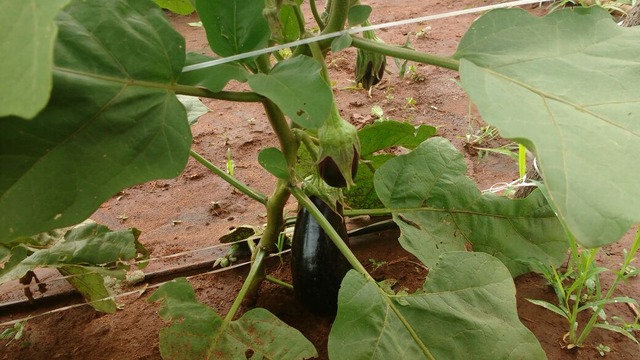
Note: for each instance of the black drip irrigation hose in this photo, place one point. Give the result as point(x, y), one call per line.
point(155, 277)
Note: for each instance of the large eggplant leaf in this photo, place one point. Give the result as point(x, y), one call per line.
point(112, 121)
point(439, 209)
point(566, 85)
point(234, 26)
point(467, 310)
point(297, 87)
point(197, 332)
point(87, 253)
point(26, 44)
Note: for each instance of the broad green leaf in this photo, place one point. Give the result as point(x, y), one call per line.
point(194, 107)
point(383, 134)
point(273, 160)
point(467, 310)
point(341, 43)
point(358, 14)
point(28, 34)
point(112, 121)
point(290, 27)
point(439, 209)
point(180, 7)
point(234, 26)
point(197, 332)
point(565, 85)
point(297, 87)
point(363, 194)
point(214, 78)
point(86, 253)
point(380, 135)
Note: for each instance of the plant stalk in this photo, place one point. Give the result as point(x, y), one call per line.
point(237, 96)
point(275, 204)
point(244, 188)
point(316, 15)
point(403, 53)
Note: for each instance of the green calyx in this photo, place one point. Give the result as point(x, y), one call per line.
point(369, 65)
point(339, 151)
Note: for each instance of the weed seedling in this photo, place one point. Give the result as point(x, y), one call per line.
point(579, 289)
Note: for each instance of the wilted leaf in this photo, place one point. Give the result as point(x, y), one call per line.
point(467, 310)
point(197, 332)
point(439, 209)
point(566, 85)
point(88, 252)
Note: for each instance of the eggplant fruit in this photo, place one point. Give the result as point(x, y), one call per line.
point(317, 266)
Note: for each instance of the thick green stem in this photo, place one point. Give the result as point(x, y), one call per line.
point(275, 204)
point(258, 263)
point(337, 16)
point(220, 95)
point(407, 54)
point(299, 18)
point(245, 189)
point(316, 15)
point(288, 143)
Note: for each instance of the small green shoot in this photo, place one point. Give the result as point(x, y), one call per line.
point(231, 165)
point(377, 264)
point(410, 102)
point(603, 349)
point(377, 111)
point(13, 333)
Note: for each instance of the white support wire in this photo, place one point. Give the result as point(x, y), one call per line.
point(357, 30)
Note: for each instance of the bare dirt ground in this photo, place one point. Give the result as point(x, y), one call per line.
point(192, 211)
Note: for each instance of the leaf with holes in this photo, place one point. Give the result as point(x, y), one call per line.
point(468, 301)
point(439, 209)
point(87, 252)
point(197, 332)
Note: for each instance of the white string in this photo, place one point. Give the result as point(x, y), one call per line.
point(336, 34)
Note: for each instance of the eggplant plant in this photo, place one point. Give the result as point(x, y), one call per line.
point(93, 109)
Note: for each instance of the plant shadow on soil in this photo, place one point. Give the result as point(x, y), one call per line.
point(193, 210)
